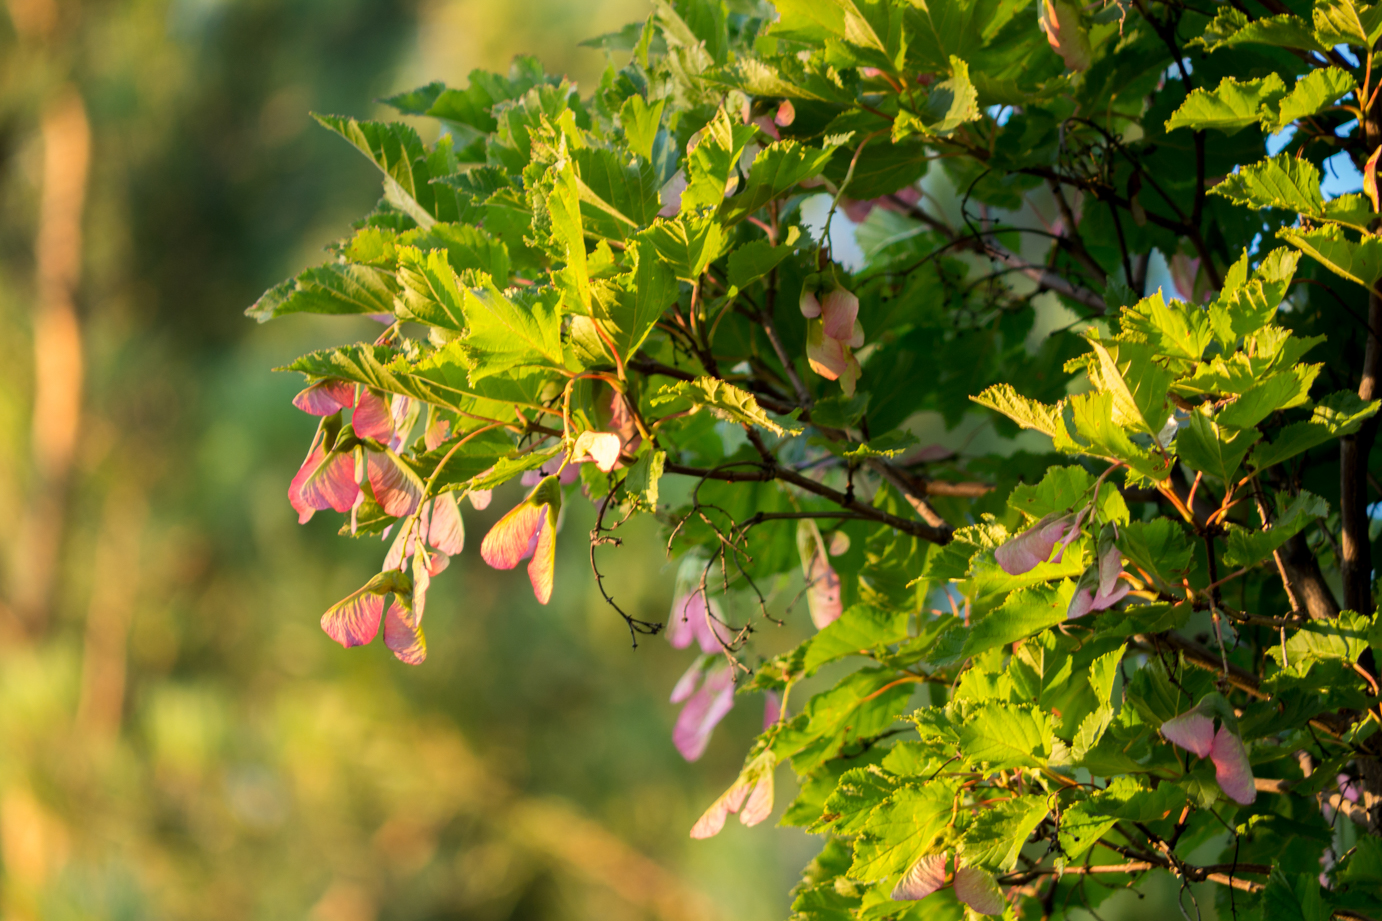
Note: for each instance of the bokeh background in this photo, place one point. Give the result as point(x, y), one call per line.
point(178, 739)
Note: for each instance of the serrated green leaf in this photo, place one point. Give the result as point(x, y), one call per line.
point(1294, 897)
point(638, 300)
point(1159, 547)
point(338, 288)
point(503, 333)
point(723, 399)
point(1178, 330)
point(1312, 93)
point(687, 244)
point(1278, 392)
point(1342, 639)
point(1024, 613)
point(1336, 415)
point(1005, 736)
point(400, 155)
point(753, 260)
point(1080, 830)
point(777, 169)
point(710, 167)
point(949, 104)
point(640, 122)
point(1138, 384)
point(568, 232)
point(1027, 413)
point(856, 795)
point(429, 291)
point(1058, 491)
point(1358, 261)
point(1232, 27)
point(1089, 732)
point(1096, 433)
point(995, 838)
point(1247, 546)
point(1206, 447)
point(1277, 182)
point(1337, 23)
point(644, 476)
point(466, 247)
point(859, 629)
point(901, 830)
point(1230, 106)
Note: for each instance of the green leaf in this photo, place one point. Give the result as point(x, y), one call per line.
point(807, 20)
point(1179, 330)
point(949, 104)
point(1231, 106)
point(1159, 547)
point(643, 477)
point(1294, 897)
point(1353, 211)
point(1096, 432)
point(1024, 613)
point(1058, 491)
point(1312, 93)
point(509, 467)
point(568, 231)
point(1089, 732)
point(1336, 415)
point(338, 288)
point(618, 198)
point(1027, 413)
point(1080, 830)
point(1277, 182)
point(1246, 546)
point(710, 167)
point(1280, 391)
point(1126, 798)
point(1231, 27)
point(723, 399)
point(466, 247)
point(1343, 639)
point(639, 298)
point(862, 704)
point(901, 830)
point(640, 122)
point(1005, 736)
point(995, 838)
point(687, 244)
point(503, 334)
point(1206, 447)
point(1359, 262)
point(400, 155)
point(1138, 384)
point(776, 170)
point(1365, 866)
point(429, 289)
point(848, 807)
point(1102, 672)
point(859, 629)
point(757, 258)
point(1337, 23)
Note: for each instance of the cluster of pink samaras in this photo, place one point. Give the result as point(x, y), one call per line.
point(431, 529)
point(1099, 589)
point(1101, 585)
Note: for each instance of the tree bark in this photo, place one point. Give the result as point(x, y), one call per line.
point(1355, 548)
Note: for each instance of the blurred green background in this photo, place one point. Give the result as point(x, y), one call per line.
point(178, 739)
